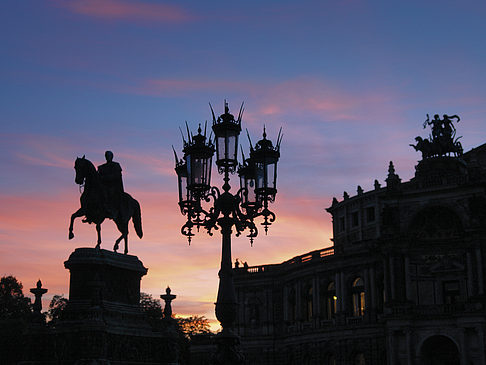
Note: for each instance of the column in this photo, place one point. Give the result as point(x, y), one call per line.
point(391, 350)
point(463, 350)
point(408, 334)
point(386, 278)
point(481, 345)
point(317, 299)
point(392, 277)
point(470, 277)
point(408, 294)
point(343, 292)
point(286, 302)
point(367, 288)
point(337, 284)
point(373, 287)
point(298, 302)
point(479, 260)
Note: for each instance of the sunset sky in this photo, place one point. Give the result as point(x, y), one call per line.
point(349, 81)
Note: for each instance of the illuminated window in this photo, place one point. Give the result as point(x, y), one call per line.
point(358, 297)
point(331, 301)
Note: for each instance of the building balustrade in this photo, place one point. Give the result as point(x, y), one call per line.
point(354, 320)
point(428, 310)
point(314, 256)
point(317, 324)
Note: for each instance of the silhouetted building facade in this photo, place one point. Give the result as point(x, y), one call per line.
point(404, 283)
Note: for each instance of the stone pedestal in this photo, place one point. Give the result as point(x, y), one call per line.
point(105, 287)
point(102, 322)
point(444, 170)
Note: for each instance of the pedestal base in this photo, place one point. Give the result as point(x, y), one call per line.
point(104, 291)
point(103, 323)
point(227, 349)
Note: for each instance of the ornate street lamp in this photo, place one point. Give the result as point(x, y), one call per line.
point(258, 176)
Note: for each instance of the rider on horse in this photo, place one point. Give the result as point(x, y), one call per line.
point(111, 178)
point(103, 197)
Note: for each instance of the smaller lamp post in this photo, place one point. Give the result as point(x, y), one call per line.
point(38, 292)
point(168, 298)
point(258, 177)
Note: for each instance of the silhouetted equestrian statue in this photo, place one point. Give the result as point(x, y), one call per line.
point(103, 197)
point(443, 140)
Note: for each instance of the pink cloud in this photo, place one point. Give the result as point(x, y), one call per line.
point(127, 10)
point(299, 96)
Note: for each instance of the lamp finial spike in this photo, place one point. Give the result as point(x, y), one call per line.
point(182, 134)
point(175, 155)
point(188, 133)
point(240, 114)
point(212, 112)
point(249, 140)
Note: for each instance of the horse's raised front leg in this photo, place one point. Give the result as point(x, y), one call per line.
point(98, 231)
point(77, 214)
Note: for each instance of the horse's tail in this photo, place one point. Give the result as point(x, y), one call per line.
point(137, 219)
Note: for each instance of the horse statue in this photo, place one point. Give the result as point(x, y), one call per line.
point(427, 148)
point(94, 207)
point(443, 141)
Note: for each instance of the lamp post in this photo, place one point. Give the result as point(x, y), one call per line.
point(226, 211)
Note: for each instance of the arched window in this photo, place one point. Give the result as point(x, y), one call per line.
point(309, 298)
point(358, 297)
point(439, 350)
point(359, 359)
point(331, 301)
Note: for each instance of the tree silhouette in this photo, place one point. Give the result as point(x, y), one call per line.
point(56, 307)
point(13, 304)
point(151, 308)
point(194, 325)
point(15, 314)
